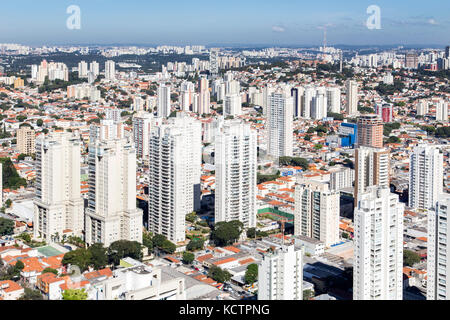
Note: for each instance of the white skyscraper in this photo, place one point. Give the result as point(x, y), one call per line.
point(319, 104)
point(378, 246)
point(316, 211)
point(82, 69)
point(94, 67)
point(425, 176)
point(164, 104)
point(142, 123)
point(334, 99)
point(280, 275)
point(232, 105)
point(110, 70)
point(236, 170)
point(106, 130)
point(111, 214)
point(372, 168)
point(175, 169)
point(438, 264)
point(307, 101)
point(279, 124)
point(203, 96)
point(186, 97)
point(352, 97)
point(442, 110)
point(58, 205)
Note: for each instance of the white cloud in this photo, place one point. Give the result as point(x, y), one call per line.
point(278, 29)
point(432, 21)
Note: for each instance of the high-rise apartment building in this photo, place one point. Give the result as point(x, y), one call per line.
point(316, 211)
point(334, 100)
point(236, 169)
point(372, 168)
point(279, 124)
point(438, 244)
point(110, 70)
point(163, 101)
point(425, 176)
point(378, 246)
point(204, 97)
point(142, 123)
point(370, 131)
point(58, 205)
point(26, 139)
point(352, 97)
point(280, 275)
point(442, 110)
point(232, 105)
point(111, 214)
point(175, 169)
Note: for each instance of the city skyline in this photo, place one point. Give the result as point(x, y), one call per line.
point(249, 23)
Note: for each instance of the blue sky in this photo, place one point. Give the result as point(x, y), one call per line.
point(225, 22)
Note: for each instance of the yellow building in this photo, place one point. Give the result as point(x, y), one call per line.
point(19, 83)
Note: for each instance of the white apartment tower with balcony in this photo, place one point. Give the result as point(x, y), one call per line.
point(175, 169)
point(280, 275)
point(163, 107)
point(142, 123)
point(378, 246)
point(316, 213)
point(111, 214)
point(425, 176)
point(110, 70)
point(236, 170)
point(279, 124)
point(352, 97)
point(438, 263)
point(58, 205)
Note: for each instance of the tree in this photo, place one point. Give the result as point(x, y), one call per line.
point(99, 258)
point(226, 233)
point(80, 257)
point(147, 240)
point(219, 275)
point(188, 257)
point(158, 240)
point(39, 122)
point(393, 139)
point(74, 294)
point(251, 275)
point(123, 248)
point(308, 294)
point(30, 294)
point(195, 244)
point(8, 203)
point(50, 270)
point(168, 246)
point(251, 233)
point(6, 227)
point(191, 217)
point(410, 258)
point(11, 178)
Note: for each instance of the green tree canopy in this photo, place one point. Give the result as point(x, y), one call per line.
point(99, 257)
point(11, 178)
point(6, 227)
point(80, 257)
point(188, 257)
point(195, 244)
point(226, 233)
point(123, 248)
point(50, 270)
point(30, 294)
point(410, 258)
point(251, 275)
point(219, 275)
